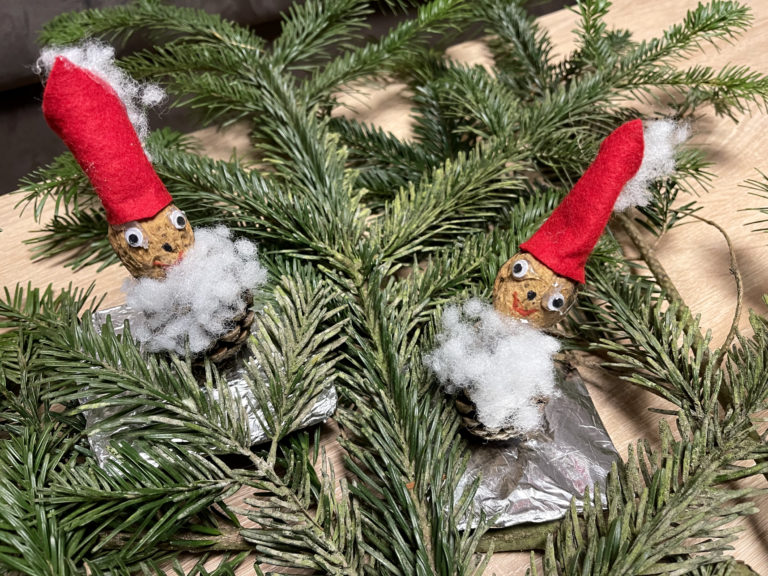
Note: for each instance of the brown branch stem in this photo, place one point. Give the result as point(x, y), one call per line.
point(229, 540)
point(663, 279)
point(648, 255)
point(524, 537)
point(736, 272)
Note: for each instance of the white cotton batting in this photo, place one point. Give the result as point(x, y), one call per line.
point(99, 59)
point(196, 301)
point(661, 139)
point(503, 365)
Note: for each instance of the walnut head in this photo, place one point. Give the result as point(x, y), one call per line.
point(527, 289)
point(147, 247)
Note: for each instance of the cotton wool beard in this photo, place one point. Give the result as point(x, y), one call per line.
point(502, 364)
point(196, 301)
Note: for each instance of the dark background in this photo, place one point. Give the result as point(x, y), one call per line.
point(27, 141)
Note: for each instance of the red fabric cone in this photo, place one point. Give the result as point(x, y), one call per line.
point(566, 239)
point(90, 118)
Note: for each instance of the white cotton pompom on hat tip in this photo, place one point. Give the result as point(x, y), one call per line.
point(661, 139)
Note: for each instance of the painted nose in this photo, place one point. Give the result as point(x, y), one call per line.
point(167, 247)
point(531, 295)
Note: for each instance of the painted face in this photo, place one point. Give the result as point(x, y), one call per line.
point(526, 289)
point(147, 247)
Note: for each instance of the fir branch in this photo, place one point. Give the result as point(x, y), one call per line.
point(33, 539)
point(732, 88)
point(480, 105)
point(293, 352)
point(161, 20)
point(438, 17)
point(290, 534)
point(521, 48)
point(711, 363)
point(660, 347)
point(385, 162)
point(81, 236)
point(173, 58)
point(455, 199)
point(595, 46)
point(665, 516)
point(396, 451)
point(163, 401)
point(715, 21)
point(218, 97)
point(729, 90)
point(145, 493)
point(26, 316)
point(311, 29)
point(62, 182)
point(31, 310)
point(435, 131)
point(138, 396)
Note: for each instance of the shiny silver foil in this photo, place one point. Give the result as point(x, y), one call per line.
point(234, 375)
point(532, 479)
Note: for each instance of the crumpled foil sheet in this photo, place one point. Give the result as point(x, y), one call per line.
point(533, 479)
point(324, 407)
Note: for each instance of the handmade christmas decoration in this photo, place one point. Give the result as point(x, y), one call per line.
point(500, 371)
point(186, 296)
point(82, 103)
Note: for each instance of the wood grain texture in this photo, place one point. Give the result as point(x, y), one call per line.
point(695, 255)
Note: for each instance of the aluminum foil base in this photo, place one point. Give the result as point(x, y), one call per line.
point(533, 479)
point(234, 375)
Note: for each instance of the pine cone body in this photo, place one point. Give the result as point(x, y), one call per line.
point(466, 408)
point(230, 343)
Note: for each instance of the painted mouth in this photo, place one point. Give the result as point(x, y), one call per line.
point(159, 264)
point(524, 312)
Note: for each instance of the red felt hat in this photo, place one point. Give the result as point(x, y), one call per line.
point(567, 237)
point(90, 118)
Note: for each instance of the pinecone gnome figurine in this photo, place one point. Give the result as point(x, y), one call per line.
point(497, 394)
point(146, 230)
point(97, 110)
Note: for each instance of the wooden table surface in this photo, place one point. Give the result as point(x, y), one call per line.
point(695, 255)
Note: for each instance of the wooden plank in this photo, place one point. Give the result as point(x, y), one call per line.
point(695, 255)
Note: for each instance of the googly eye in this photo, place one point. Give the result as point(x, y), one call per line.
point(520, 268)
point(134, 237)
point(178, 219)
point(555, 302)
